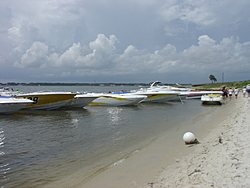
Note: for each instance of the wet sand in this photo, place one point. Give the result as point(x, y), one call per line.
point(222, 159)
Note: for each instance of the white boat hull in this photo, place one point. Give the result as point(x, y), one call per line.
point(211, 99)
point(9, 105)
point(180, 97)
point(189, 92)
point(118, 100)
point(157, 96)
point(81, 101)
point(160, 98)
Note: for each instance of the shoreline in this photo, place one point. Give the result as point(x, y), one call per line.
point(221, 160)
point(158, 166)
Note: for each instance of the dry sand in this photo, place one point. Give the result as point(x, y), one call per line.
point(222, 159)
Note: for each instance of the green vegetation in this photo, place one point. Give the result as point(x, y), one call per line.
point(239, 84)
point(212, 78)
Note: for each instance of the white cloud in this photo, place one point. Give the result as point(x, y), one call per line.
point(35, 57)
point(198, 12)
point(210, 55)
point(97, 55)
point(103, 45)
point(207, 55)
point(103, 38)
point(191, 16)
point(69, 57)
point(179, 15)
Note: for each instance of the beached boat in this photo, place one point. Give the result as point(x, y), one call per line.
point(125, 99)
point(211, 99)
point(159, 85)
point(153, 96)
point(81, 100)
point(156, 96)
point(47, 100)
point(196, 94)
point(188, 93)
point(8, 104)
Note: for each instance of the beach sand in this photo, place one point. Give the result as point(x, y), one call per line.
point(221, 159)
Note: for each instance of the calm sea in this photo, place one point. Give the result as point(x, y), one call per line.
point(39, 148)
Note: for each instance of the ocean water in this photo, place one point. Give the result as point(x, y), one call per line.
point(69, 146)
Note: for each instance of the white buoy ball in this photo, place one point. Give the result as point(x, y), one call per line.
point(189, 138)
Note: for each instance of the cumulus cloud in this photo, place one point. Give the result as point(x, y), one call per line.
point(66, 38)
point(97, 54)
point(179, 17)
point(210, 55)
point(35, 57)
point(194, 16)
point(101, 57)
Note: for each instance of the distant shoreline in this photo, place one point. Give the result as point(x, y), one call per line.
point(199, 86)
point(75, 84)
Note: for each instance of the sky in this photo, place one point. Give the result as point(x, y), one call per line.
point(124, 41)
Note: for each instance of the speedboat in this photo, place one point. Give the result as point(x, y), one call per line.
point(156, 96)
point(81, 100)
point(187, 93)
point(177, 94)
point(9, 104)
point(211, 99)
point(197, 94)
point(47, 100)
point(125, 99)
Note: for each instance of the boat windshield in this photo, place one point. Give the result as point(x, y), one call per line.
point(156, 84)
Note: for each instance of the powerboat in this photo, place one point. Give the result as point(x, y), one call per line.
point(211, 99)
point(111, 99)
point(47, 100)
point(156, 96)
point(187, 93)
point(81, 100)
point(196, 94)
point(9, 104)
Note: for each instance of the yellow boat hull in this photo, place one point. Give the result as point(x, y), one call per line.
point(47, 100)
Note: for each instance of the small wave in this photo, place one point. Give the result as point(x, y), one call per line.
point(136, 151)
point(123, 159)
point(118, 162)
